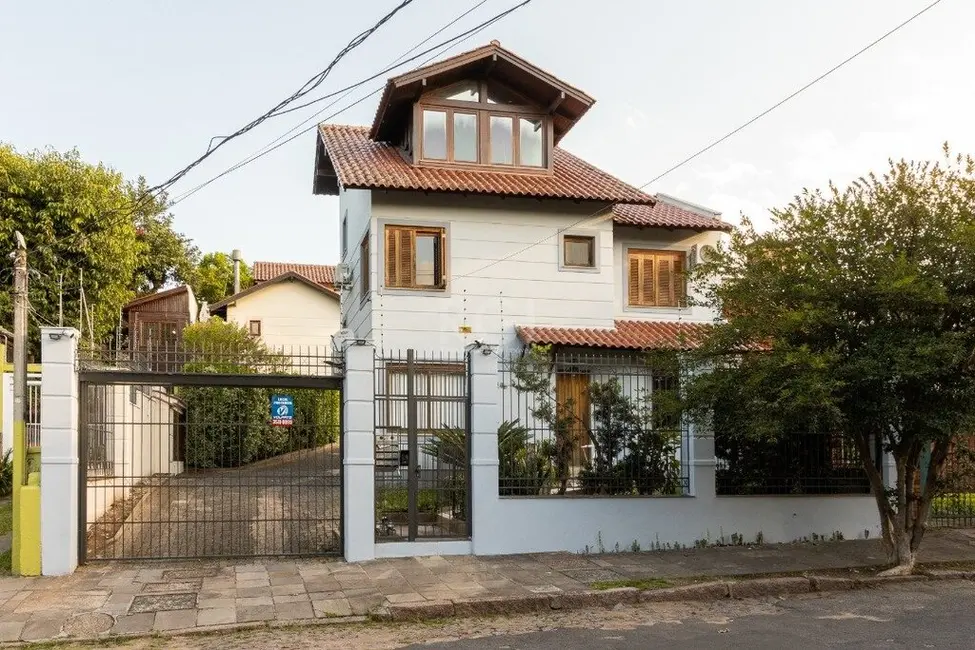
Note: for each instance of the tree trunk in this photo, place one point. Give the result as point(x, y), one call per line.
point(901, 555)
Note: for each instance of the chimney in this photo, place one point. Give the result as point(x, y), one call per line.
point(235, 255)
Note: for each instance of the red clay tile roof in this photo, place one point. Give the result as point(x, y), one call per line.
point(626, 335)
point(322, 274)
point(361, 163)
point(666, 215)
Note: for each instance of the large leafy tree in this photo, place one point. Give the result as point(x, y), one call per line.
point(86, 228)
point(862, 304)
point(213, 278)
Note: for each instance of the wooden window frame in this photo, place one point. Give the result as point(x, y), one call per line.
point(392, 272)
point(483, 111)
point(364, 269)
point(250, 328)
point(677, 278)
point(591, 240)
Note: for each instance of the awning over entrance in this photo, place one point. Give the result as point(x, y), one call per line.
point(626, 335)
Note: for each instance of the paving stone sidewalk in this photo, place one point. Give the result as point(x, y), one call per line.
point(129, 599)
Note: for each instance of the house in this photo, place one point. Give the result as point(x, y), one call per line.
point(155, 321)
point(462, 220)
point(289, 306)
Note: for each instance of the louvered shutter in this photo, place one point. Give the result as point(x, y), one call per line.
point(634, 285)
point(648, 273)
point(390, 248)
point(665, 281)
point(680, 280)
point(406, 258)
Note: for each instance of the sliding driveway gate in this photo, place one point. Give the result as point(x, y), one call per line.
point(230, 452)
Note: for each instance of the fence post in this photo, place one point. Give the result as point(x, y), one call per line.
point(359, 454)
point(703, 465)
point(485, 416)
point(59, 450)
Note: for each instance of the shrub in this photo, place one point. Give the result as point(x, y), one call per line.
point(949, 506)
point(7, 474)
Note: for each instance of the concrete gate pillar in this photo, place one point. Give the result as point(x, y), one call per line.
point(59, 450)
point(359, 454)
point(485, 410)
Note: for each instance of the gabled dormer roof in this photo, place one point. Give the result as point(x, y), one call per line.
point(566, 104)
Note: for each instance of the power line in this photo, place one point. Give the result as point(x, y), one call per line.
point(305, 89)
point(271, 146)
point(726, 136)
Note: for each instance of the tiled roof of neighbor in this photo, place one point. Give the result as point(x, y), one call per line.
point(361, 163)
point(323, 274)
point(666, 215)
point(626, 335)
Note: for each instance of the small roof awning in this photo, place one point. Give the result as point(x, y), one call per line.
point(626, 335)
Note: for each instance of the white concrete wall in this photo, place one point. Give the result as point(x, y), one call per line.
point(7, 409)
point(578, 524)
point(658, 239)
point(142, 435)
point(293, 316)
point(356, 207)
point(527, 289)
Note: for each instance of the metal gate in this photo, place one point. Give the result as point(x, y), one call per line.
point(422, 448)
point(205, 454)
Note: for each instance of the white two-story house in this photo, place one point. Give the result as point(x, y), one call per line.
point(462, 220)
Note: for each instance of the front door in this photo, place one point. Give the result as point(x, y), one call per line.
point(572, 397)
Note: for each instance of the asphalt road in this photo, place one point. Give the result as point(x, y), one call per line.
point(932, 615)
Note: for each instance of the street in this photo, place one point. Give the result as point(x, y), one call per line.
point(920, 615)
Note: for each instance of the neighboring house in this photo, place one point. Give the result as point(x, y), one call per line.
point(155, 321)
point(290, 306)
point(462, 220)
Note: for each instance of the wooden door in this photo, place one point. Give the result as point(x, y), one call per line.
point(572, 397)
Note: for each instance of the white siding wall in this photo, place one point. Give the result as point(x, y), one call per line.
point(356, 207)
point(524, 286)
point(292, 315)
point(657, 239)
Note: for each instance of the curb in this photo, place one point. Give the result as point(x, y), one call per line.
point(705, 591)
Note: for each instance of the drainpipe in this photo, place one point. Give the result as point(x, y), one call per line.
point(235, 255)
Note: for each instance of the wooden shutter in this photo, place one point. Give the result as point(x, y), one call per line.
point(633, 288)
point(656, 278)
point(400, 246)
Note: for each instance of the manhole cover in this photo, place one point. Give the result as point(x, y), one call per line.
point(162, 603)
point(189, 574)
point(167, 587)
point(88, 624)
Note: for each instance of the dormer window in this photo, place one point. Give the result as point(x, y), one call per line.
point(477, 123)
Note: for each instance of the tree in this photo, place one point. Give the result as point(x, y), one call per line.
point(80, 221)
point(213, 278)
point(166, 256)
point(858, 307)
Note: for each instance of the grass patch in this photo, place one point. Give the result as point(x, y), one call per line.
point(6, 517)
point(637, 583)
point(5, 562)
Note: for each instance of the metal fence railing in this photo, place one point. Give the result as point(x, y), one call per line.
point(793, 463)
point(954, 507)
point(422, 477)
point(589, 423)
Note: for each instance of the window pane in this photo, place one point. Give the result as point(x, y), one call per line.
point(531, 141)
point(501, 140)
point(435, 135)
point(467, 92)
point(426, 256)
point(579, 251)
point(465, 137)
point(496, 95)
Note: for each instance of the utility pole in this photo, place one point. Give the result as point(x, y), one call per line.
point(236, 257)
point(20, 390)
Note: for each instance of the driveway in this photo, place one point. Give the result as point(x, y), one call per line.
point(287, 505)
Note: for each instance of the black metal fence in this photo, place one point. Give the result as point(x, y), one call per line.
point(421, 478)
point(800, 462)
point(954, 507)
point(585, 423)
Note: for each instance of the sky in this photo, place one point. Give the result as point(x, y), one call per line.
point(143, 85)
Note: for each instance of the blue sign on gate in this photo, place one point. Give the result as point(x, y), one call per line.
point(282, 410)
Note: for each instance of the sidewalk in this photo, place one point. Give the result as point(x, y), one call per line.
point(128, 599)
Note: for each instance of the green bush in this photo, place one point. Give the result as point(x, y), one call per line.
point(954, 505)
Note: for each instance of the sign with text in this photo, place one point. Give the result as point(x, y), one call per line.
point(282, 410)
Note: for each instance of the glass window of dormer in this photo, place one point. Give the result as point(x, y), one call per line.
point(467, 91)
